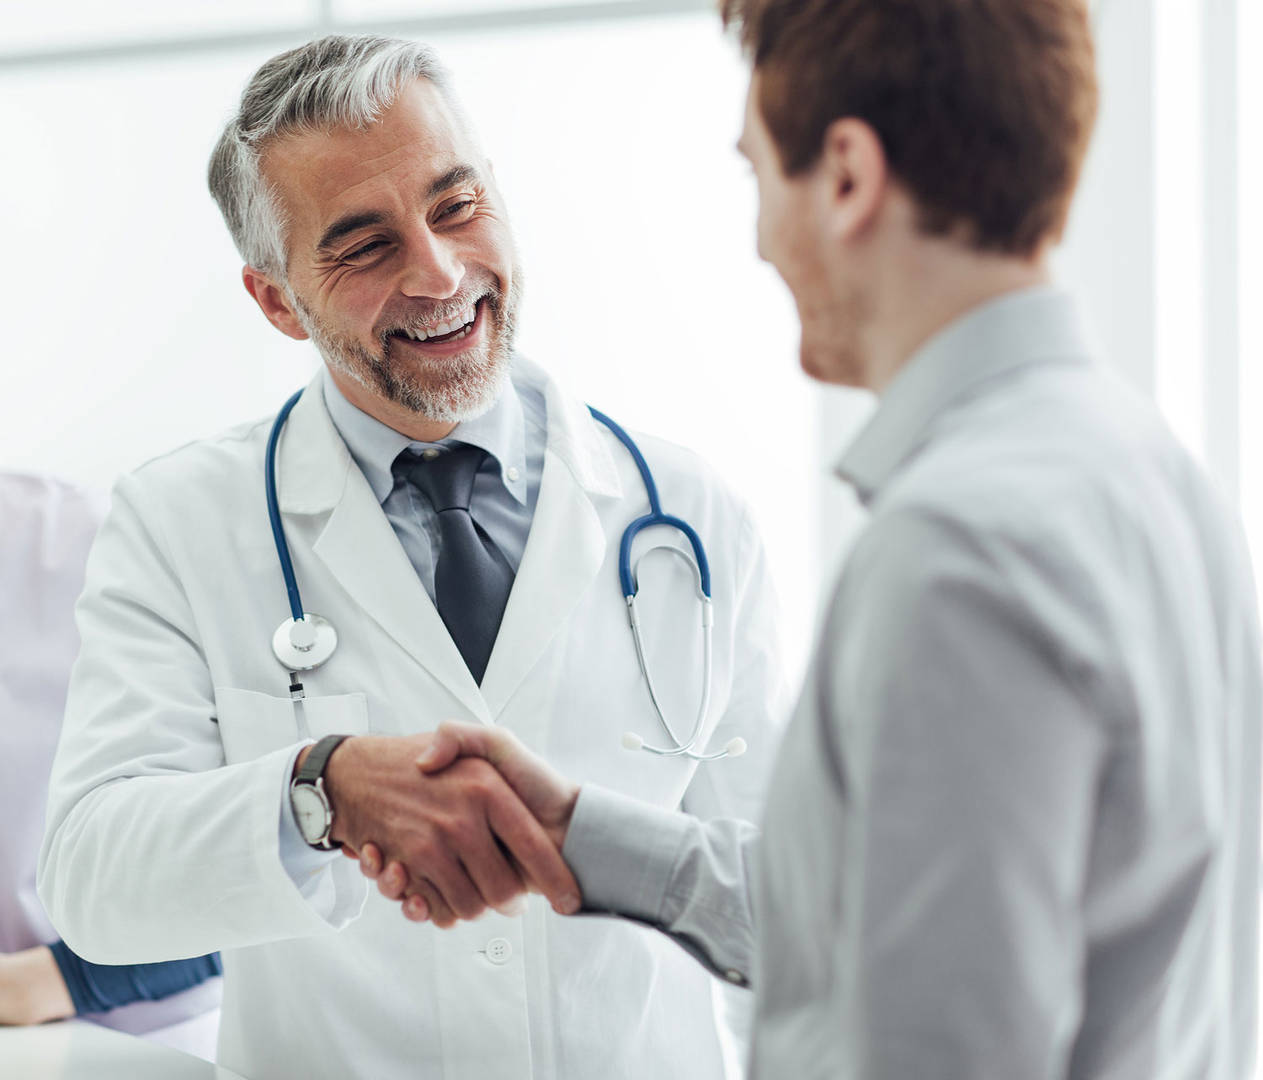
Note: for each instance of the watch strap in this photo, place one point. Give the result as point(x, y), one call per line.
point(314, 765)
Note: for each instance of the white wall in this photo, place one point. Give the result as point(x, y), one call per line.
point(128, 331)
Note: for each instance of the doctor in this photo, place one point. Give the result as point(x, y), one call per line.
point(456, 518)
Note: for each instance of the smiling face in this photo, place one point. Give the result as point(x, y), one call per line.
point(797, 235)
point(401, 265)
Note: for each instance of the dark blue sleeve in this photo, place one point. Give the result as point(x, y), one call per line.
point(99, 987)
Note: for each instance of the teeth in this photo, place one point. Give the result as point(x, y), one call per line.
point(463, 319)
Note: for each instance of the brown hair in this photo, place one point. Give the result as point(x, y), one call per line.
point(984, 107)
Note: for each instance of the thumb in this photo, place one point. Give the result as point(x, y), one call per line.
point(450, 741)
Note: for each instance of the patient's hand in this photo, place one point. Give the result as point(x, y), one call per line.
point(548, 795)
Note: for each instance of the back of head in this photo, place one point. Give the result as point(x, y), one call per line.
point(984, 107)
point(336, 81)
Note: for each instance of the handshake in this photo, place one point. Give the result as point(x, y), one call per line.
point(453, 822)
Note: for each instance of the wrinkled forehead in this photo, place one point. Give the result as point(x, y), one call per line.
point(416, 140)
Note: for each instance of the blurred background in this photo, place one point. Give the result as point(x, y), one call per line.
point(611, 124)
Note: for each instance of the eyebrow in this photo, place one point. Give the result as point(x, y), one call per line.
point(349, 223)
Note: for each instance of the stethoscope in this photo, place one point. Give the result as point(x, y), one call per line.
point(305, 641)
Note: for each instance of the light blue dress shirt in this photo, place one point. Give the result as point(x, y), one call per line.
point(514, 432)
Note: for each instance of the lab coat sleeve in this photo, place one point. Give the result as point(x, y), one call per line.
point(688, 878)
point(155, 849)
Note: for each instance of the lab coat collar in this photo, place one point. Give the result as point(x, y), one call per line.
point(1032, 326)
point(565, 550)
point(501, 431)
point(313, 459)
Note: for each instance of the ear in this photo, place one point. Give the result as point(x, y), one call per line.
point(854, 176)
point(273, 302)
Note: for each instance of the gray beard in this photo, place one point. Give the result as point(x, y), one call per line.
point(450, 390)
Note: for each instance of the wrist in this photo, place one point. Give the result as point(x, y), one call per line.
point(32, 989)
point(303, 754)
point(337, 790)
point(311, 796)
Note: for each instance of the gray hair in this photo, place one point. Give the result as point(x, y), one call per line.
point(335, 82)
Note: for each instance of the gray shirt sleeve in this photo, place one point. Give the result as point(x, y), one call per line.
point(688, 878)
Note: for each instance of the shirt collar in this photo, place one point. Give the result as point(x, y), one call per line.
point(1016, 330)
point(374, 445)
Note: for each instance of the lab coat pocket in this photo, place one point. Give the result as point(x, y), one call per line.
point(339, 714)
point(253, 724)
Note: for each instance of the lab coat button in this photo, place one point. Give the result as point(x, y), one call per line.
point(499, 950)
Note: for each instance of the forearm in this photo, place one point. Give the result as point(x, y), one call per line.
point(32, 990)
point(150, 868)
point(688, 878)
point(100, 987)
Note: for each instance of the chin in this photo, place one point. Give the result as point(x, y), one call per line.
point(839, 365)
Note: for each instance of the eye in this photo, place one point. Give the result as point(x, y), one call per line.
point(363, 250)
point(456, 208)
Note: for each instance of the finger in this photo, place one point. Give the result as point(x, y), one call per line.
point(371, 861)
point(415, 909)
point(537, 855)
point(444, 748)
point(393, 881)
point(423, 892)
point(452, 740)
point(491, 872)
point(454, 887)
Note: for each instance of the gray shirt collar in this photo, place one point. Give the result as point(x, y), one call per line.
point(374, 445)
point(1029, 326)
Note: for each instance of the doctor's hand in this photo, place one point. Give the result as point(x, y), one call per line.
point(463, 838)
point(548, 795)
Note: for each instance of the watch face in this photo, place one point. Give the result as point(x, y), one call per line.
point(310, 812)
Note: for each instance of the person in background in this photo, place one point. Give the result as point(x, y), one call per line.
point(46, 528)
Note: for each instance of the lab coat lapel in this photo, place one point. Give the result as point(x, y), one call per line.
point(359, 547)
point(565, 551)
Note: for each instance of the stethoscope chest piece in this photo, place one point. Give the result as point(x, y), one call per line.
point(305, 644)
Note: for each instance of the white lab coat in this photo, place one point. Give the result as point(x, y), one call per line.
point(46, 528)
point(163, 823)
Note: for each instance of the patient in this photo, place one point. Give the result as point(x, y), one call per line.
point(46, 528)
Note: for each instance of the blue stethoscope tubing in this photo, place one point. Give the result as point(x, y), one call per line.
point(305, 641)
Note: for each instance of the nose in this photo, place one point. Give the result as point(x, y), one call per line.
point(432, 267)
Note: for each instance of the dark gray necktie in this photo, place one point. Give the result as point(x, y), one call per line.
point(472, 578)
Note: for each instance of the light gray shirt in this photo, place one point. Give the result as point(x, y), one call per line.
point(1013, 830)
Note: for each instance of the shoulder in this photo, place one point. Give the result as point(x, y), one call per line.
point(212, 471)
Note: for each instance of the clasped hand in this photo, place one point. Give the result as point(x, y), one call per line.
point(453, 822)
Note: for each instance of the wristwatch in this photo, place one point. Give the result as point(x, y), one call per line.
point(312, 809)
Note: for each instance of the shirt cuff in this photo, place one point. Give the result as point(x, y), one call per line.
point(623, 851)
